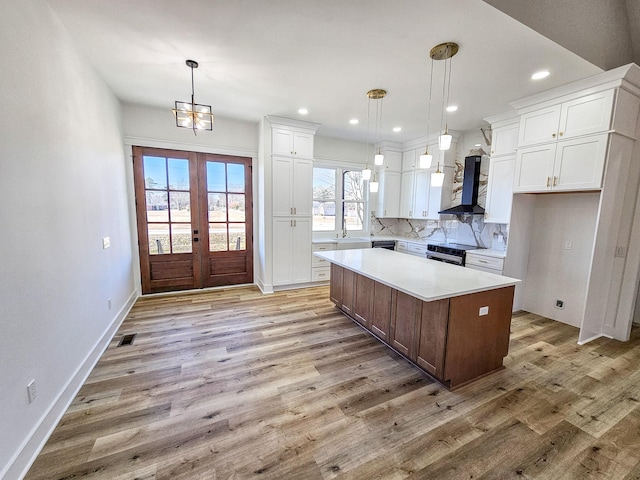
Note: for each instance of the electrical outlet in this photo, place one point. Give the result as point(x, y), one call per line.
point(560, 304)
point(109, 303)
point(31, 390)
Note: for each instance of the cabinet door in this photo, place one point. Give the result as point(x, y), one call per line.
point(504, 140)
point(282, 248)
point(301, 187)
point(388, 204)
point(579, 163)
point(300, 254)
point(383, 306)
point(432, 338)
point(500, 189)
point(539, 126)
point(303, 145)
point(282, 184)
point(335, 287)
point(534, 168)
point(421, 193)
point(406, 195)
point(408, 160)
point(348, 291)
point(403, 322)
point(586, 115)
point(282, 142)
point(363, 303)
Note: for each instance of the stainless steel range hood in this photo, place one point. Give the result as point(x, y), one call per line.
point(470, 183)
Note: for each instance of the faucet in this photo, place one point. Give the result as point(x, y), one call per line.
point(344, 227)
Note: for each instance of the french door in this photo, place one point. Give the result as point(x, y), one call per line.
point(194, 215)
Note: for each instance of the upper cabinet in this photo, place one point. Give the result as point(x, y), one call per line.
point(582, 116)
point(292, 143)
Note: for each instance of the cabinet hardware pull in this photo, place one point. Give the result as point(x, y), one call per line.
point(555, 181)
point(553, 135)
point(548, 180)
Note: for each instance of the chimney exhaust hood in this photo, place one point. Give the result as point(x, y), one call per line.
point(470, 183)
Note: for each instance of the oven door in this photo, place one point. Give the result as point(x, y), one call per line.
point(445, 257)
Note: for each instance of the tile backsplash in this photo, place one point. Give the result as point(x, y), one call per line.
point(465, 229)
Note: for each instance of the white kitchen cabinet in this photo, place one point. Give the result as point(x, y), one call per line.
point(582, 116)
point(504, 140)
point(500, 189)
point(388, 204)
point(570, 165)
point(292, 143)
point(293, 179)
point(291, 250)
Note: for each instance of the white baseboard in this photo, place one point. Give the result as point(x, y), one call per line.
point(29, 450)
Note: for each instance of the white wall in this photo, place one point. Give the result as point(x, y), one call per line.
point(555, 272)
point(62, 189)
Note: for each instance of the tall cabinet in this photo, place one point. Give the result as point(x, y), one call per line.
point(291, 201)
point(580, 138)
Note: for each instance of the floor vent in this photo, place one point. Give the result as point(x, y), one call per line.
point(127, 339)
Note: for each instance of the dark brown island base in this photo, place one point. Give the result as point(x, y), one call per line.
point(451, 322)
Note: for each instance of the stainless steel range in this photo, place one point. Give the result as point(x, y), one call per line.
point(449, 252)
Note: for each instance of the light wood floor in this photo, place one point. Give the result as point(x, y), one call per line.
point(233, 384)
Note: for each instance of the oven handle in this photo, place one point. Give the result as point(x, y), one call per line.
point(444, 256)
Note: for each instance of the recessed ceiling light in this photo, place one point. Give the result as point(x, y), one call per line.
point(303, 111)
point(452, 108)
point(397, 129)
point(540, 75)
point(354, 121)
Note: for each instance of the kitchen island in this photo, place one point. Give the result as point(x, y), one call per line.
point(450, 321)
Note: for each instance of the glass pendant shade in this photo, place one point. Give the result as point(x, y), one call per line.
point(373, 186)
point(366, 174)
point(437, 179)
point(378, 159)
point(425, 160)
point(444, 141)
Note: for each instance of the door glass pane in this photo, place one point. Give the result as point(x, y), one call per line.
point(158, 238)
point(157, 206)
point(218, 237)
point(155, 172)
point(217, 207)
point(324, 216)
point(180, 206)
point(237, 236)
point(235, 177)
point(178, 174)
point(236, 207)
point(216, 177)
point(181, 237)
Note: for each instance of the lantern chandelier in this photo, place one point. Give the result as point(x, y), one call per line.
point(191, 114)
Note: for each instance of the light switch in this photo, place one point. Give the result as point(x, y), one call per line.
point(106, 242)
point(484, 311)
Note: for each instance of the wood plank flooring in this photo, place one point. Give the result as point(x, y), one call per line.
point(233, 384)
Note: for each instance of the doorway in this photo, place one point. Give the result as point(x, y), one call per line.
point(194, 217)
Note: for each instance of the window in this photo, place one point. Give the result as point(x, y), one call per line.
point(338, 200)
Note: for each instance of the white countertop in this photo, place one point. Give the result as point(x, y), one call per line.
point(422, 278)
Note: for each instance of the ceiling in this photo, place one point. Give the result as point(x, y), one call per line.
point(272, 57)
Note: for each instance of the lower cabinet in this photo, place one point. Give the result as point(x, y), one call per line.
point(455, 340)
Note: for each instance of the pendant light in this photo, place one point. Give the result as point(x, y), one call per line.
point(191, 114)
point(444, 51)
point(426, 158)
point(378, 94)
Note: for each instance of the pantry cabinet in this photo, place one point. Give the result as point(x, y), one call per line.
point(569, 165)
point(291, 250)
point(582, 116)
point(292, 143)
